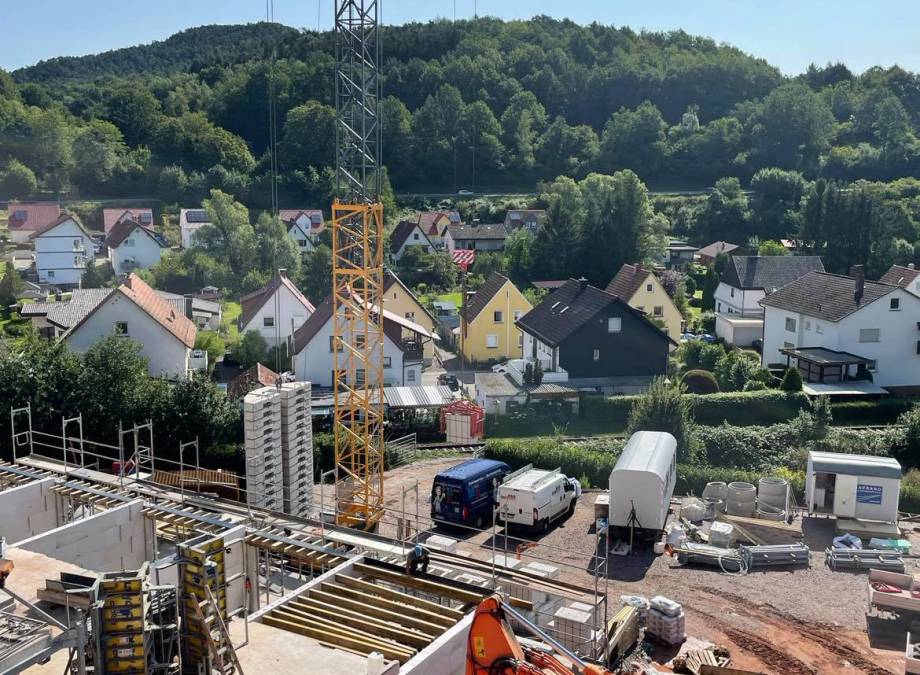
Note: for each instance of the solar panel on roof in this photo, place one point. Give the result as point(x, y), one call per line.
point(20, 215)
point(146, 217)
point(197, 216)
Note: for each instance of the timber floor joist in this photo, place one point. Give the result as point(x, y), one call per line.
point(177, 523)
point(85, 493)
point(12, 475)
point(297, 547)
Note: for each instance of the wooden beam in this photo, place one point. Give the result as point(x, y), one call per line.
point(369, 607)
point(396, 632)
point(348, 640)
point(429, 585)
point(398, 596)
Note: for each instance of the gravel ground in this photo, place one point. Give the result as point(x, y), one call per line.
point(803, 621)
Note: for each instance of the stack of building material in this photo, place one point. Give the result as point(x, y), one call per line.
point(727, 559)
point(781, 555)
point(622, 633)
point(263, 440)
point(863, 559)
point(666, 621)
point(574, 628)
point(297, 448)
point(441, 543)
point(912, 655)
point(694, 660)
point(601, 505)
point(504, 560)
point(639, 603)
point(722, 534)
point(761, 532)
point(882, 544)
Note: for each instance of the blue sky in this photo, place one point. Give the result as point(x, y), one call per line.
point(789, 34)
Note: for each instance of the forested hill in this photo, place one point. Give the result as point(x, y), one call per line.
point(189, 50)
point(483, 103)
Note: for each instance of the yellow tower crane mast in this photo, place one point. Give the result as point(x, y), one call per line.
point(357, 268)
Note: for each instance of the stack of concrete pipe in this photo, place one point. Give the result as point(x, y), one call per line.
point(741, 499)
point(714, 495)
point(772, 498)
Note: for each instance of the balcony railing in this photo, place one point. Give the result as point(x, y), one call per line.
point(413, 350)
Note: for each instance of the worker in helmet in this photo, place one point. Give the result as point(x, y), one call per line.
point(418, 556)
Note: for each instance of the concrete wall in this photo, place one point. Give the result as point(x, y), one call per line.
point(117, 539)
point(446, 655)
point(28, 510)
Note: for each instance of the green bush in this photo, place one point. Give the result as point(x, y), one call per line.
point(747, 408)
point(700, 382)
point(591, 460)
point(792, 380)
point(697, 354)
point(665, 408)
point(878, 411)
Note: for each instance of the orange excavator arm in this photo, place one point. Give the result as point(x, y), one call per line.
point(492, 648)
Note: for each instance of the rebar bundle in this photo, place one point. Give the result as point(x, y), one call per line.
point(779, 555)
point(863, 559)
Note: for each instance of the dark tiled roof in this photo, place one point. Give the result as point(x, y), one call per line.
point(768, 272)
point(717, 247)
point(825, 296)
point(478, 231)
point(569, 308)
point(66, 314)
point(551, 285)
point(256, 376)
point(122, 230)
point(627, 281)
point(900, 276)
point(434, 222)
point(312, 326)
point(401, 233)
point(474, 305)
point(254, 301)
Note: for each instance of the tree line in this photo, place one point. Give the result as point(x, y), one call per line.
point(467, 103)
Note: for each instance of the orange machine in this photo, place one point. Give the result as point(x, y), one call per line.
point(492, 649)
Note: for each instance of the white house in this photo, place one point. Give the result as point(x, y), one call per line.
point(744, 283)
point(134, 311)
point(831, 326)
point(63, 249)
point(190, 221)
point(133, 246)
point(304, 226)
point(907, 277)
point(435, 223)
point(111, 217)
point(476, 236)
point(275, 311)
point(402, 356)
point(407, 234)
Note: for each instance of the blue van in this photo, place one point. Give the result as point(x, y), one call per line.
point(464, 494)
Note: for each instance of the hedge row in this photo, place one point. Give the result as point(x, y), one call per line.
point(879, 411)
point(592, 464)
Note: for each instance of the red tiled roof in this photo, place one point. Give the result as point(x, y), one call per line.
point(63, 219)
point(38, 215)
point(254, 301)
point(257, 375)
point(291, 215)
point(900, 275)
point(111, 217)
point(433, 223)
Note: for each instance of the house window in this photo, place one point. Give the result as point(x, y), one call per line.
point(658, 310)
point(807, 325)
point(359, 377)
point(517, 314)
point(733, 292)
point(129, 242)
point(121, 328)
point(497, 316)
point(614, 324)
point(268, 321)
point(597, 355)
point(520, 339)
point(790, 324)
point(387, 362)
point(51, 274)
point(360, 341)
point(415, 236)
point(894, 304)
point(410, 316)
point(410, 375)
point(492, 341)
point(818, 328)
point(870, 335)
point(872, 366)
point(648, 288)
point(719, 308)
point(332, 344)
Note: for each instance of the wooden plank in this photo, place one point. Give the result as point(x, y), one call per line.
point(706, 669)
point(373, 609)
point(351, 639)
point(396, 632)
point(430, 585)
point(398, 596)
point(297, 616)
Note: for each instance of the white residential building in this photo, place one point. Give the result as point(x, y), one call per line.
point(402, 357)
point(304, 226)
point(744, 283)
point(275, 311)
point(190, 221)
point(133, 247)
point(134, 311)
point(829, 325)
point(406, 235)
point(63, 249)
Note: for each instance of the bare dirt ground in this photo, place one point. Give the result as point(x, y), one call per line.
point(801, 622)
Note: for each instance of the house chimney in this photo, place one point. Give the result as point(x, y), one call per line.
point(582, 284)
point(282, 272)
point(188, 306)
point(911, 266)
point(858, 272)
point(476, 222)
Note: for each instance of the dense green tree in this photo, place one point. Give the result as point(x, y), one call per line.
point(567, 150)
point(776, 199)
point(316, 274)
point(276, 249)
point(397, 132)
point(230, 237)
point(726, 216)
point(634, 139)
point(251, 350)
point(10, 286)
point(134, 110)
point(97, 151)
point(308, 137)
point(17, 181)
point(663, 407)
point(517, 256)
point(770, 247)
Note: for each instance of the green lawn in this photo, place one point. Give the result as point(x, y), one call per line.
point(228, 328)
point(448, 297)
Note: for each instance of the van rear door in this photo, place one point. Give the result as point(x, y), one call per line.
point(446, 500)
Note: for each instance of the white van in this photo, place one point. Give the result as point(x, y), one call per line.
point(534, 498)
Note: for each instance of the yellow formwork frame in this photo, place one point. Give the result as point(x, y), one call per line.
point(357, 288)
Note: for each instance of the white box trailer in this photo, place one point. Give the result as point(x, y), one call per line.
point(853, 486)
point(642, 481)
point(534, 498)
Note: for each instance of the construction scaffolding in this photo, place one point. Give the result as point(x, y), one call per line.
point(357, 267)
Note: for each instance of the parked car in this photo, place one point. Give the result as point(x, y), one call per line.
point(449, 380)
point(686, 337)
point(464, 494)
point(708, 337)
point(534, 498)
point(464, 193)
